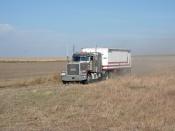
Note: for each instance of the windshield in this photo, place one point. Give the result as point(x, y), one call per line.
point(80, 58)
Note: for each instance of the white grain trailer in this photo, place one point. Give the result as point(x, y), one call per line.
point(113, 59)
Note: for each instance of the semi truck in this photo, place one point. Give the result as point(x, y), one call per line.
point(95, 64)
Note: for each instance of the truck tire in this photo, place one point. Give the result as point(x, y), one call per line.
point(88, 80)
point(64, 82)
point(107, 75)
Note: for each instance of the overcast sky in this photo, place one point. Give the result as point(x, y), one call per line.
point(48, 27)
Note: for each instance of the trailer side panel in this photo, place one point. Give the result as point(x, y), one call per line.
point(112, 58)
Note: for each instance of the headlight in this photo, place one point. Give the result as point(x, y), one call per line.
point(63, 73)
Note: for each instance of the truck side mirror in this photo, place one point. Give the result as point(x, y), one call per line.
point(91, 58)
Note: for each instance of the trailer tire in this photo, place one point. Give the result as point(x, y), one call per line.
point(107, 75)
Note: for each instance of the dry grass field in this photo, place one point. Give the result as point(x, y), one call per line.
point(33, 98)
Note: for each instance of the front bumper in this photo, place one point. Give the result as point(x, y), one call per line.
point(73, 77)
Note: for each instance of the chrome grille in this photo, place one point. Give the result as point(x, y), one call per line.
point(73, 69)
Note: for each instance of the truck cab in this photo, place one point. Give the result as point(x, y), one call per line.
point(83, 68)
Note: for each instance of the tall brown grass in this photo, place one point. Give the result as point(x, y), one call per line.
point(130, 103)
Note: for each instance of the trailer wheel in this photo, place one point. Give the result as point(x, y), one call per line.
point(107, 75)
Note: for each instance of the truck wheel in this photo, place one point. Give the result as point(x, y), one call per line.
point(101, 77)
point(104, 76)
point(89, 79)
point(64, 82)
point(107, 75)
